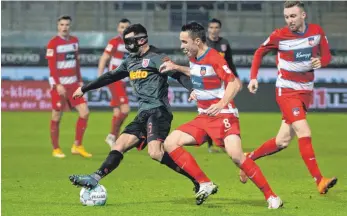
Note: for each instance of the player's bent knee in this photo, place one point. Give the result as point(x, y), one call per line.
point(155, 150)
point(156, 155)
point(123, 143)
point(234, 149)
point(124, 108)
point(116, 111)
point(56, 115)
point(284, 142)
point(84, 115)
point(301, 128)
point(172, 141)
point(83, 110)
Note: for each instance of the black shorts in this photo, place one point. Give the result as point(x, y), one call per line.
point(149, 125)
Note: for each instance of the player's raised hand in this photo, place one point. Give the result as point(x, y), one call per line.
point(192, 97)
point(78, 93)
point(253, 86)
point(61, 90)
point(214, 109)
point(316, 63)
point(167, 66)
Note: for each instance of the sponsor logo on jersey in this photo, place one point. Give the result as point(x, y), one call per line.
point(311, 41)
point(226, 69)
point(145, 63)
point(203, 71)
point(67, 48)
point(70, 56)
point(50, 52)
point(303, 54)
point(197, 82)
point(296, 111)
point(138, 74)
point(223, 47)
point(109, 47)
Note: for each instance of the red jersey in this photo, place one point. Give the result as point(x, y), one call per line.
point(63, 62)
point(294, 53)
point(209, 74)
point(116, 49)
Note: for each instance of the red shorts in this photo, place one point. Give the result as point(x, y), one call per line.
point(293, 106)
point(119, 93)
point(217, 127)
point(60, 103)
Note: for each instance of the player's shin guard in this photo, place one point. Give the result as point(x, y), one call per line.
point(111, 163)
point(187, 162)
point(268, 148)
point(167, 160)
point(307, 154)
point(55, 134)
point(117, 122)
point(81, 126)
point(255, 174)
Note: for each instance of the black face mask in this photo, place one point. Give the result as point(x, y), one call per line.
point(132, 43)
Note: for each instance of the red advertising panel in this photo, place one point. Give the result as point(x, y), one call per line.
point(25, 95)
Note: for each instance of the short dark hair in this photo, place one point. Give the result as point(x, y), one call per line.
point(214, 20)
point(124, 20)
point(136, 28)
point(289, 4)
point(195, 30)
point(64, 17)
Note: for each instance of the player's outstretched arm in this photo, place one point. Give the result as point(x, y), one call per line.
point(107, 78)
point(183, 80)
point(168, 66)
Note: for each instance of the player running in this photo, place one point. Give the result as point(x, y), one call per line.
point(301, 48)
point(215, 41)
point(65, 78)
point(153, 121)
point(114, 53)
point(214, 88)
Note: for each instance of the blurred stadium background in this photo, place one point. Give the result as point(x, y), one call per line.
point(27, 27)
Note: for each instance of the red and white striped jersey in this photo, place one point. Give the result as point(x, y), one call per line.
point(63, 62)
point(116, 49)
point(209, 74)
point(294, 53)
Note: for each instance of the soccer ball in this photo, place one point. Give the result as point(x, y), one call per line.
point(94, 197)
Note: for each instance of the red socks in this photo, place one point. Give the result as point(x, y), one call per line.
point(81, 126)
point(117, 122)
point(268, 148)
point(187, 162)
point(55, 134)
point(254, 173)
point(307, 154)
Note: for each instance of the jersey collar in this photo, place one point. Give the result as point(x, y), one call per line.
point(301, 34)
point(203, 55)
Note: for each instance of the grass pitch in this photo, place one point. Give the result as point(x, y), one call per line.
point(36, 184)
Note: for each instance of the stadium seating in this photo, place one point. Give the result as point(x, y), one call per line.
point(239, 18)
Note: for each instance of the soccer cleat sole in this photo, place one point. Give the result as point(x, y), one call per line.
point(74, 181)
point(330, 185)
point(201, 198)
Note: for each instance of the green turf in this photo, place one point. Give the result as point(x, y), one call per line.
point(34, 183)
